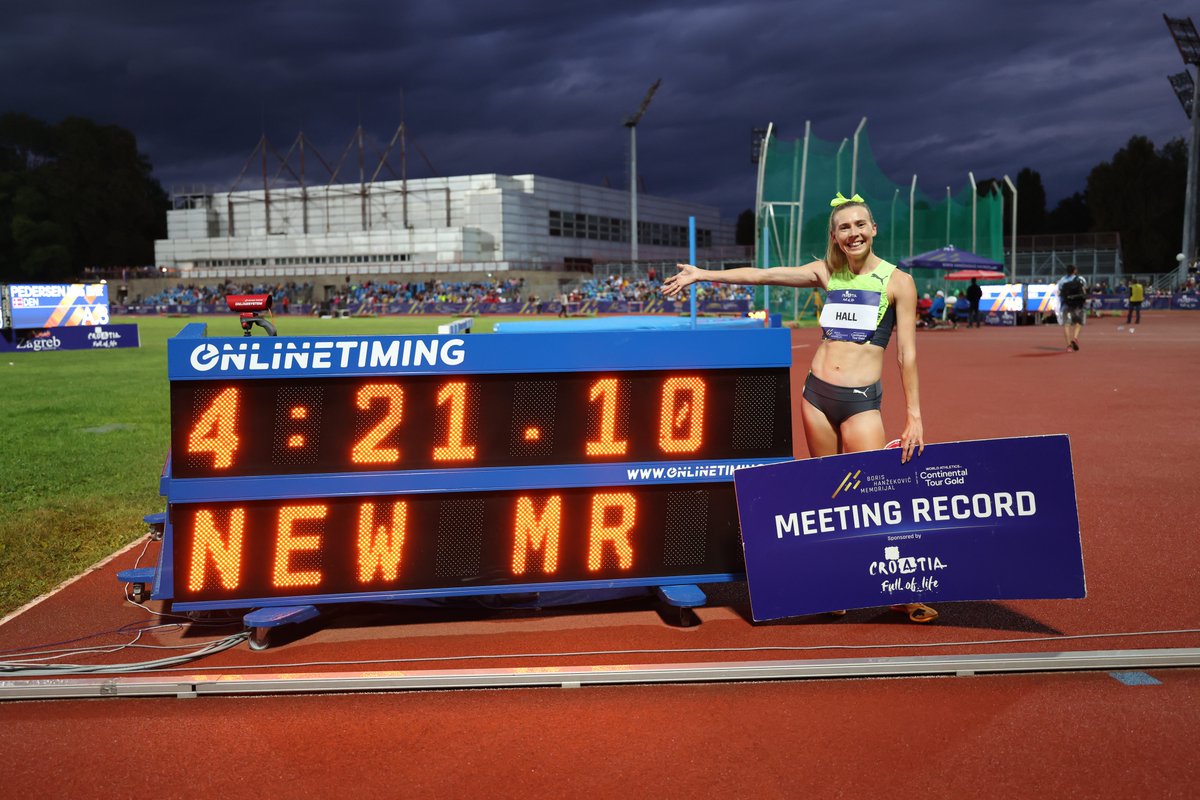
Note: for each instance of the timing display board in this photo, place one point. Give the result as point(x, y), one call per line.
point(232, 553)
point(338, 468)
point(263, 427)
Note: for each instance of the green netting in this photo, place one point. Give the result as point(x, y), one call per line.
point(793, 215)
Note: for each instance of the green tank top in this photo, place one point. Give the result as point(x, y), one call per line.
point(856, 306)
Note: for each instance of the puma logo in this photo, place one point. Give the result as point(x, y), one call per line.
point(877, 277)
point(863, 392)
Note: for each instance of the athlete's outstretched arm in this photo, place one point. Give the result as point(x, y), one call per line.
point(905, 297)
point(814, 273)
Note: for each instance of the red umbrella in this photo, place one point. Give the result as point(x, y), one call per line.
point(978, 274)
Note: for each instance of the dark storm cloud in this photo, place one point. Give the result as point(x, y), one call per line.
point(543, 87)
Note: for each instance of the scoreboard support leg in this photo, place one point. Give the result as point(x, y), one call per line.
point(137, 577)
point(140, 579)
point(678, 602)
point(262, 620)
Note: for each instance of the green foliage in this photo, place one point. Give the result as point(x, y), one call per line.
point(745, 228)
point(74, 195)
point(1031, 211)
point(1140, 193)
point(1071, 215)
point(84, 438)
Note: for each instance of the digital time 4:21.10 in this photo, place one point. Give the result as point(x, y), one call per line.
point(268, 426)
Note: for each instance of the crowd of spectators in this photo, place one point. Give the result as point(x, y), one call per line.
point(372, 293)
point(281, 294)
point(369, 295)
point(616, 287)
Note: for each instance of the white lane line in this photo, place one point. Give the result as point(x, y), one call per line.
point(98, 565)
point(798, 346)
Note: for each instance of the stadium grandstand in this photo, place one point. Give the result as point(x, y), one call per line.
point(473, 230)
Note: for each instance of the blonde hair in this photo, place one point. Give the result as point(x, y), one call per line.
point(834, 257)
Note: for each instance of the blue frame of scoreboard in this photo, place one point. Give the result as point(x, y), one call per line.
point(225, 487)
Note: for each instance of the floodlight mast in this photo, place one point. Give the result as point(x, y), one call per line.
point(1184, 88)
point(631, 123)
point(1183, 31)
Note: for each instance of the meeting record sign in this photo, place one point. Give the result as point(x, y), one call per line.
point(984, 520)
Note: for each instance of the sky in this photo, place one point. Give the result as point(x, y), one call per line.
point(987, 86)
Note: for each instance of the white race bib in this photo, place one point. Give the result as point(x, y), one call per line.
point(850, 315)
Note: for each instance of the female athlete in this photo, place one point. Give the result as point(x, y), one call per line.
point(866, 300)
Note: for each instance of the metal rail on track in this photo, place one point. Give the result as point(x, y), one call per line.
point(199, 684)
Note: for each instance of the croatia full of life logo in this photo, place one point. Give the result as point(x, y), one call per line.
point(914, 574)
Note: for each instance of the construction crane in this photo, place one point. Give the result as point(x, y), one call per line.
point(631, 123)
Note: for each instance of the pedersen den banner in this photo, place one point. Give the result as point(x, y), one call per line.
point(985, 520)
point(54, 305)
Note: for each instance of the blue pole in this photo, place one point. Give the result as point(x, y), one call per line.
point(692, 260)
point(766, 262)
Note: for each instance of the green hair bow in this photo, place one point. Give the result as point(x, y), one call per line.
point(840, 200)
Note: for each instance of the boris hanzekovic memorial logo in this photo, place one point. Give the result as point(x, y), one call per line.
point(855, 481)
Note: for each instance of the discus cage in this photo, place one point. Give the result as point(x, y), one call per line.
point(798, 177)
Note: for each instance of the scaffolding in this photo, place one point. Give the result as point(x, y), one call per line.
point(289, 199)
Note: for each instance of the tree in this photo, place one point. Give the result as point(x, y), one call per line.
point(1071, 215)
point(745, 228)
point(1031, 201)
point(1031, 204)
point(74, 195)
point(1140, 194)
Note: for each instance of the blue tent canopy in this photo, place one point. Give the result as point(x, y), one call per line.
point(950, 258)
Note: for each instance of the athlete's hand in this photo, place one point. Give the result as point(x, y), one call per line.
point(912, 440)
point(687, 275)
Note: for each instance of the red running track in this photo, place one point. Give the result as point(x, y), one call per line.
point(1126, 399)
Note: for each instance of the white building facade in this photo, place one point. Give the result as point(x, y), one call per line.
point(472, 223)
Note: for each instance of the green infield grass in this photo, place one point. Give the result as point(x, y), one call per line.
point(83, 441)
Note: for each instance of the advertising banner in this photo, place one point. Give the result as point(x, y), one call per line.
point(1005, 297)
point(34, 305)
point(984, 520)
point(1041, 297)
point(98, 337)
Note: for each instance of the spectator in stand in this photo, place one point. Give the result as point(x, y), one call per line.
point(937, 312)
point(1094, 302)
point(925, 310)
point(951, 303)
point(1137, 294)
